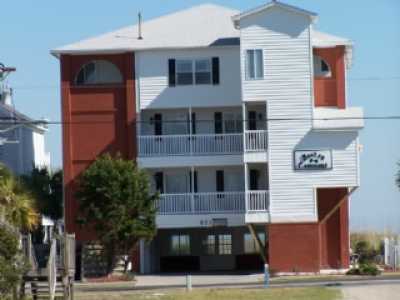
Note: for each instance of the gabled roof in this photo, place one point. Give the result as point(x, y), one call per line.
point(269, 5)
point(199, 26)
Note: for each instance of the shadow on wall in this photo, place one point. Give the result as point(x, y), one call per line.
point(326, 140)
point(278, 20)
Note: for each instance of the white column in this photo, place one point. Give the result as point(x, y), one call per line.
point(190, 131)
point(192, 185)
point(246, 185)
point(244, 123)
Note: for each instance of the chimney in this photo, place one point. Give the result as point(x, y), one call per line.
point(140, 26)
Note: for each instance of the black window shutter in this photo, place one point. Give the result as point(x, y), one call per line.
point(220, 180)
point(159, 179)
point(171, 72)
point(215, 70)
point(158, 124)
point(218, 122)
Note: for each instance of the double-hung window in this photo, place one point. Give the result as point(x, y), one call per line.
point(184, 72)
point(180, 244)
point(203, 71)
point(254, 64)
point(224, 244)
point(193, 71)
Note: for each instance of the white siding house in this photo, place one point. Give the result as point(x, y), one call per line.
point(22, 144)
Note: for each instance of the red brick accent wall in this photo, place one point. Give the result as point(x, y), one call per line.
point(310, 247)
point(96, 120)
point(330, 91)
point(294, 247)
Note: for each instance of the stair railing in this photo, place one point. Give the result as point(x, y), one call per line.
point(52, 269)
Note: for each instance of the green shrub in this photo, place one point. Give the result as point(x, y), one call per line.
point(369, 269)
point(12, 263)
point(364, 269)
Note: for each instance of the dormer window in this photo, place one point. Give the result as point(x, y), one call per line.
point(98, 72)
point(321, 67)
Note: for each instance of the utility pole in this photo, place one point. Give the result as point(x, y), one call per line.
point(6, 97)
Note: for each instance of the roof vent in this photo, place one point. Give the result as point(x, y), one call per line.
point(140, 26)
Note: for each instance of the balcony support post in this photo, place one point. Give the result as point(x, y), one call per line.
point(190, 131)
point(192, 190)
point(244, 126)
point(246, 187)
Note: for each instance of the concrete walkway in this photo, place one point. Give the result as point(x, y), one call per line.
point(372, 292)
point(173, 281)
point(198, 280)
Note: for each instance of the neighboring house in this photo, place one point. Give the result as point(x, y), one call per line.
point(22, 140)
point(242, 121)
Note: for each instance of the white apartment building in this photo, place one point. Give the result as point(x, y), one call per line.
point(244, 126)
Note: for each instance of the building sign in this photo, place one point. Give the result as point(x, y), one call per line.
point(222, 222)
point(312, 159)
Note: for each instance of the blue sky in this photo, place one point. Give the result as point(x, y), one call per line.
point(31, 28)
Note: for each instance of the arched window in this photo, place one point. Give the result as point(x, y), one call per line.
point(321, 67)
point(98, 72)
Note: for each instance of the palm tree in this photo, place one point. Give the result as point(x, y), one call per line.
point(17, 205)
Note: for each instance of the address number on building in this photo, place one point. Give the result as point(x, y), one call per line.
point(312, 159)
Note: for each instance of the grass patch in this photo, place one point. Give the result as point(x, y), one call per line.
point(309, 293)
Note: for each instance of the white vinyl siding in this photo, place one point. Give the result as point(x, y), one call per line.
point(287, 89)
point(152, 88)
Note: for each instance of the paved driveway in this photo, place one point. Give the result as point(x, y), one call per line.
point(372, 292)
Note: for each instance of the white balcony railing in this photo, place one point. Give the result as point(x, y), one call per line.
point(199, 144)
point(229, 202)
point(201, 203)
point(212, 203)
point(257, 201)
point(256, 140)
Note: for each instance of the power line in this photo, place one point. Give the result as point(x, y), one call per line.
point(123, 85)
point(11, 121)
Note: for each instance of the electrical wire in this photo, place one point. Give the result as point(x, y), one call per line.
point(11, 121)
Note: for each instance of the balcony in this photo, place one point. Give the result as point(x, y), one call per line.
point(213, 203)
point(256, 140)
point(204, 144)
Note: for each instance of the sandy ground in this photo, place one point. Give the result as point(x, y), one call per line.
point(372, 292)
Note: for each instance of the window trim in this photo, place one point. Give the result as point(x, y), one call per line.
point(225, 244)
point(247, 75)
point(179, 252)
point(193, 60)
point(321, 74)
point(207, 246)
point(84, 65)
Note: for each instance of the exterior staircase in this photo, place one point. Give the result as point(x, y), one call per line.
point(40, 289)
point(52, 278)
